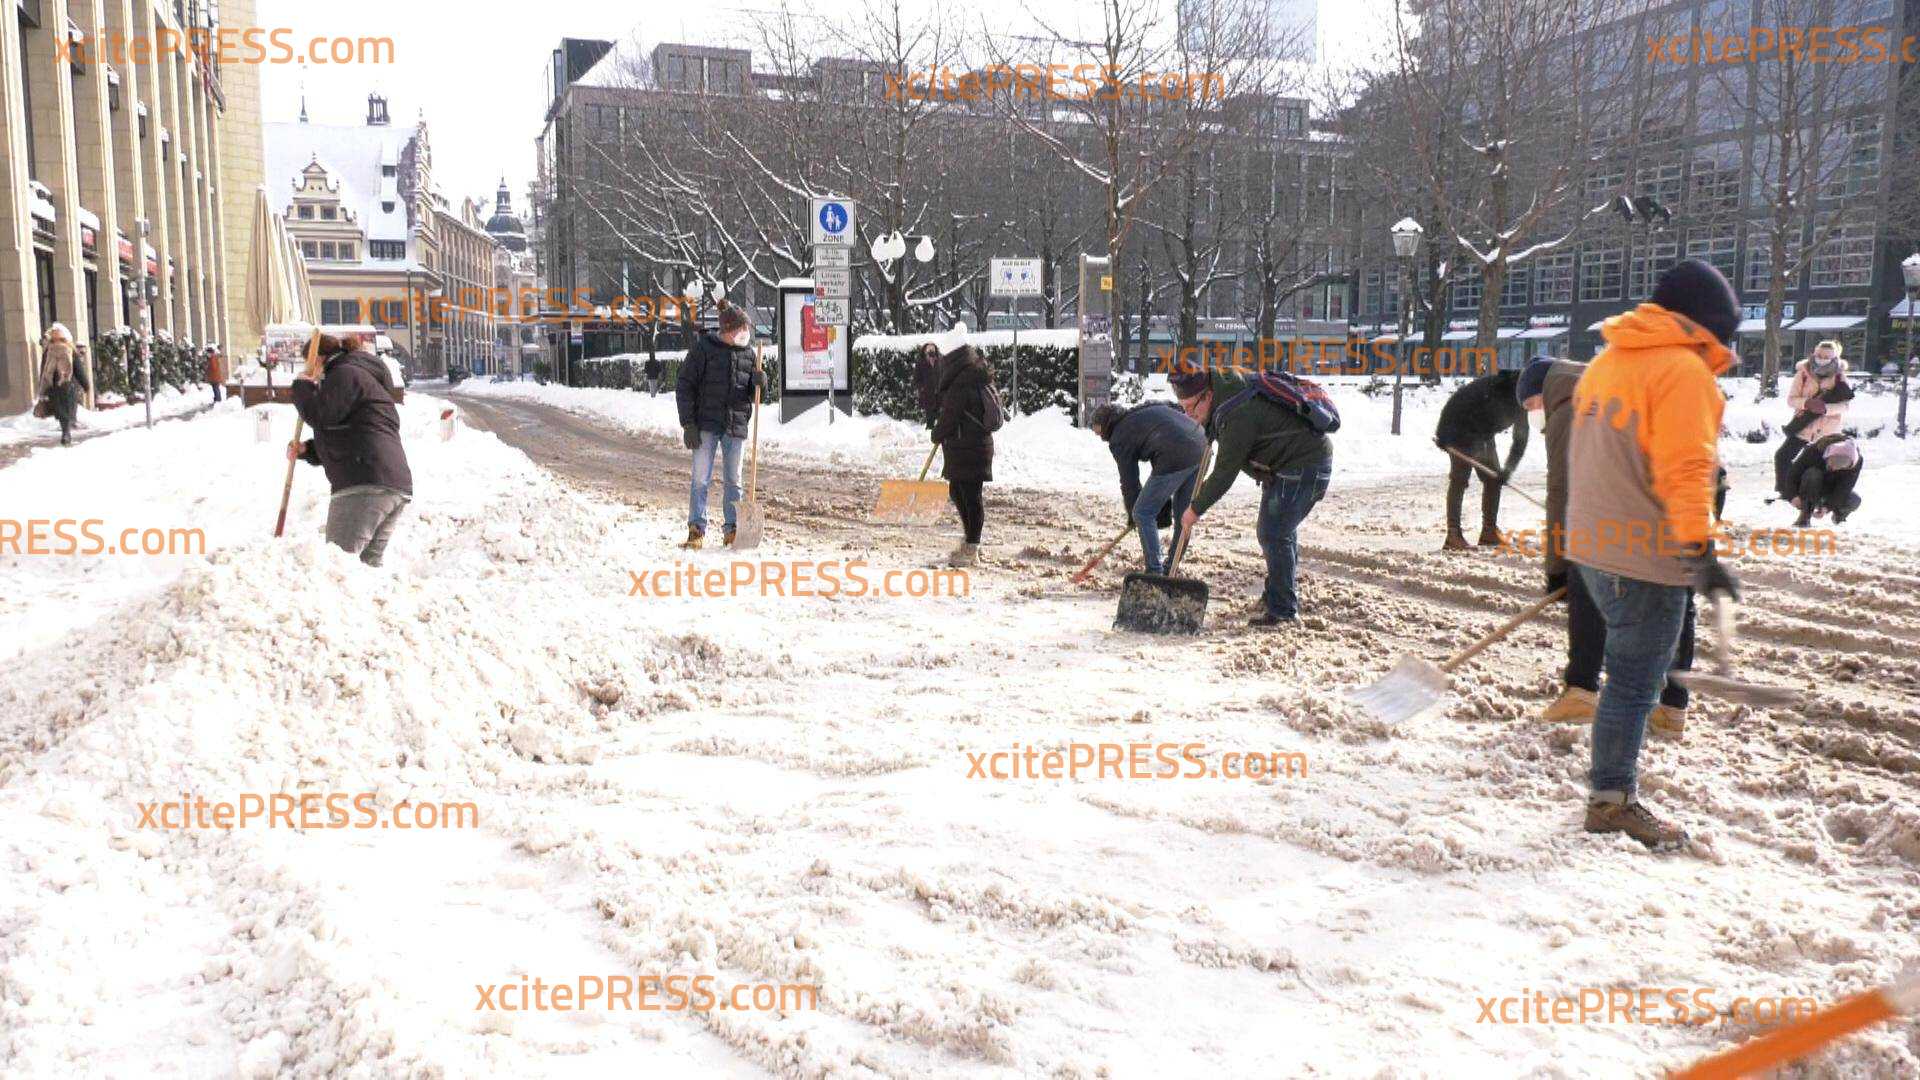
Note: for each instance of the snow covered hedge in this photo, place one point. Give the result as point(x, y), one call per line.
point(883, 376)
point(116, 364)
point(627, 372)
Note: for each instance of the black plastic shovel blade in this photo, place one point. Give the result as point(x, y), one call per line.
point(1157, 604)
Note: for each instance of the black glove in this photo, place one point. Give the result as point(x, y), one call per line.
point(690, 435)
point(1556, 581)
point(1712, 577)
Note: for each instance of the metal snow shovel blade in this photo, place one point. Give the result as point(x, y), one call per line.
point(1720, 682)
point(912, 502)
point(752, 524)
point(1415, 685)
point(1162, 603)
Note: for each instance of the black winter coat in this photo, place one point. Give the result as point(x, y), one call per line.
point(715, 388)
point(966, 444)
point(356, 428)
point(1482, 409)
point(1158, 433)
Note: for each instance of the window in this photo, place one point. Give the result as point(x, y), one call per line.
point(1600, 274)
point(1515, 287)
point(326, 249)
point(387, 249)
point(347, 252)
point(389, 170)
point(1661, 181)
point(1845, 259)
point(386, 206)
point(1715, 247)
point(1466, 290)
point(306, 213)
point(1605, 181)
point(26, 110)
point(1648, 263)
point(43, 274)
point(1760, 258)
point(1554, 279)
point(1858, 173)
point(328, 213)
point(334, 312)
point(309, 249)
point(1716, 181)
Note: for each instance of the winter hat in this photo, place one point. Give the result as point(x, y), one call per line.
point(1189, 380)
point(953, 340)
point(1533, 378)
point(1843, 455)
point(1695, 289)
point(732, 319)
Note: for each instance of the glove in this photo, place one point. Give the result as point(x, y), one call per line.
point(1503, 476)
point(1557, 581)
point(690, 435)
point(1712, 577)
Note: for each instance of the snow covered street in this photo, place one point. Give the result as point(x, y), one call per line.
point(775, 789)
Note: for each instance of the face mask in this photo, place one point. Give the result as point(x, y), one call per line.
point(1826, 369)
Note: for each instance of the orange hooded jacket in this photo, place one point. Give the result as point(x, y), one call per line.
point(1644, 447)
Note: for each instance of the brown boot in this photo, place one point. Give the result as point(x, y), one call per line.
point(1455, 542)
point(695, 537)
point(1574, 706)
point(1667, 721)
point(1634, 819)
point(1491, 538)
point(727, 534)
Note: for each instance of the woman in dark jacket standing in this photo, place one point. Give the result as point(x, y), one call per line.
point(969, 413)
point(347, 399)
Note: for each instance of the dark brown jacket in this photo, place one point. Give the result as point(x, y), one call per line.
point(1557, 398)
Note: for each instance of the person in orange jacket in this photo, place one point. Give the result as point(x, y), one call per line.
point(1644, 454)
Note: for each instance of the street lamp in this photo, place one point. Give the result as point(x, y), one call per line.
point(1406, 244)
point(892, 247)
point(1910, 270)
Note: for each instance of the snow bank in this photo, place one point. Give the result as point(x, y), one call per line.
point(167, 402)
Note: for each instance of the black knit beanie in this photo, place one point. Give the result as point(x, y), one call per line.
point(1701, 293)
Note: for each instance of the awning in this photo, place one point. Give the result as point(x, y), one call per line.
point(1508, 333)
point(1829, 322)
point(1459, 335)
point(1900, 310)
point(1596, 324)
point(1540, 333)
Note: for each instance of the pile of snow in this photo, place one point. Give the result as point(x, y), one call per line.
point(1057, 338)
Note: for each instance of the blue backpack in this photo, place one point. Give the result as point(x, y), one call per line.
point(1302, 397)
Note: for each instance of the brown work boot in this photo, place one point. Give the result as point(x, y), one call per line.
point(965, 555)
point(1634, 819)
point(1667, 721)
point(1573, 706)
point(1491, 538)
point(727, 534)
point(695, 537)
point(1455, 542)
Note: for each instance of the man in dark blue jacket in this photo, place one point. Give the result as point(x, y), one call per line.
point(1158, 433)
point(716, 392)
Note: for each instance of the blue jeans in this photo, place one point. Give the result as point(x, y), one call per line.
point(703, 478)
point(1285, 502)
point(1160, 487)
point(1644, 621)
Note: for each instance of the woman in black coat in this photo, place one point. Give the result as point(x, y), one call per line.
point(926, 381)
point(969, 414)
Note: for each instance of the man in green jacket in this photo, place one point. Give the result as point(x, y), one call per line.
point(1292, 463)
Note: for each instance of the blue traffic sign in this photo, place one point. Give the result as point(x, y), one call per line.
point(833, 218)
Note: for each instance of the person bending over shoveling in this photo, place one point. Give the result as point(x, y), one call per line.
point(1280, 441)
point(1159, 433)
point(1644, 449)
point(1469, 421)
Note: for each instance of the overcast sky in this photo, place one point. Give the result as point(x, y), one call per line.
point(479, 78)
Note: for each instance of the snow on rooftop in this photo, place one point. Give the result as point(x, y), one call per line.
point(354, 156)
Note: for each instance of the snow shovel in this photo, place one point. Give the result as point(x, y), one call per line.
point(1101, 556)
point(912, 502)
point(752, 524)
point(1720, 682)
point(1482, 466)
point(1415, 685)
point(1162, 603)
point(1803, 1037)
point(286, 492)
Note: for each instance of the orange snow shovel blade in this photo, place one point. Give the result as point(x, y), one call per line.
point(1799, 1039)
point(912, 502)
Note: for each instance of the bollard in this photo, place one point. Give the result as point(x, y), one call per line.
point(446, 424)
point(262, 426)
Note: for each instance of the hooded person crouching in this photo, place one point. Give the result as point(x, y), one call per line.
point(1644, 453)
point(346, 397)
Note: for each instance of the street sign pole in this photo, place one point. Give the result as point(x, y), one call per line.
point(832, 223)
point(1016, 356)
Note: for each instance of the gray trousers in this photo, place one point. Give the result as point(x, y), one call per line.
point(361, 519)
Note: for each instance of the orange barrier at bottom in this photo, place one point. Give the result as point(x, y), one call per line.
point(1804, 1037)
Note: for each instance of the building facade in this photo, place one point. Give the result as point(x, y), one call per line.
point(385, 251)
point(115, 180)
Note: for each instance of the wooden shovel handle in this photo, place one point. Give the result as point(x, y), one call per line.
point(286, 490)
point(1482, 466)
point(753, 454)
point(1506, 628)
point(1104, 552)
point(929, 465)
